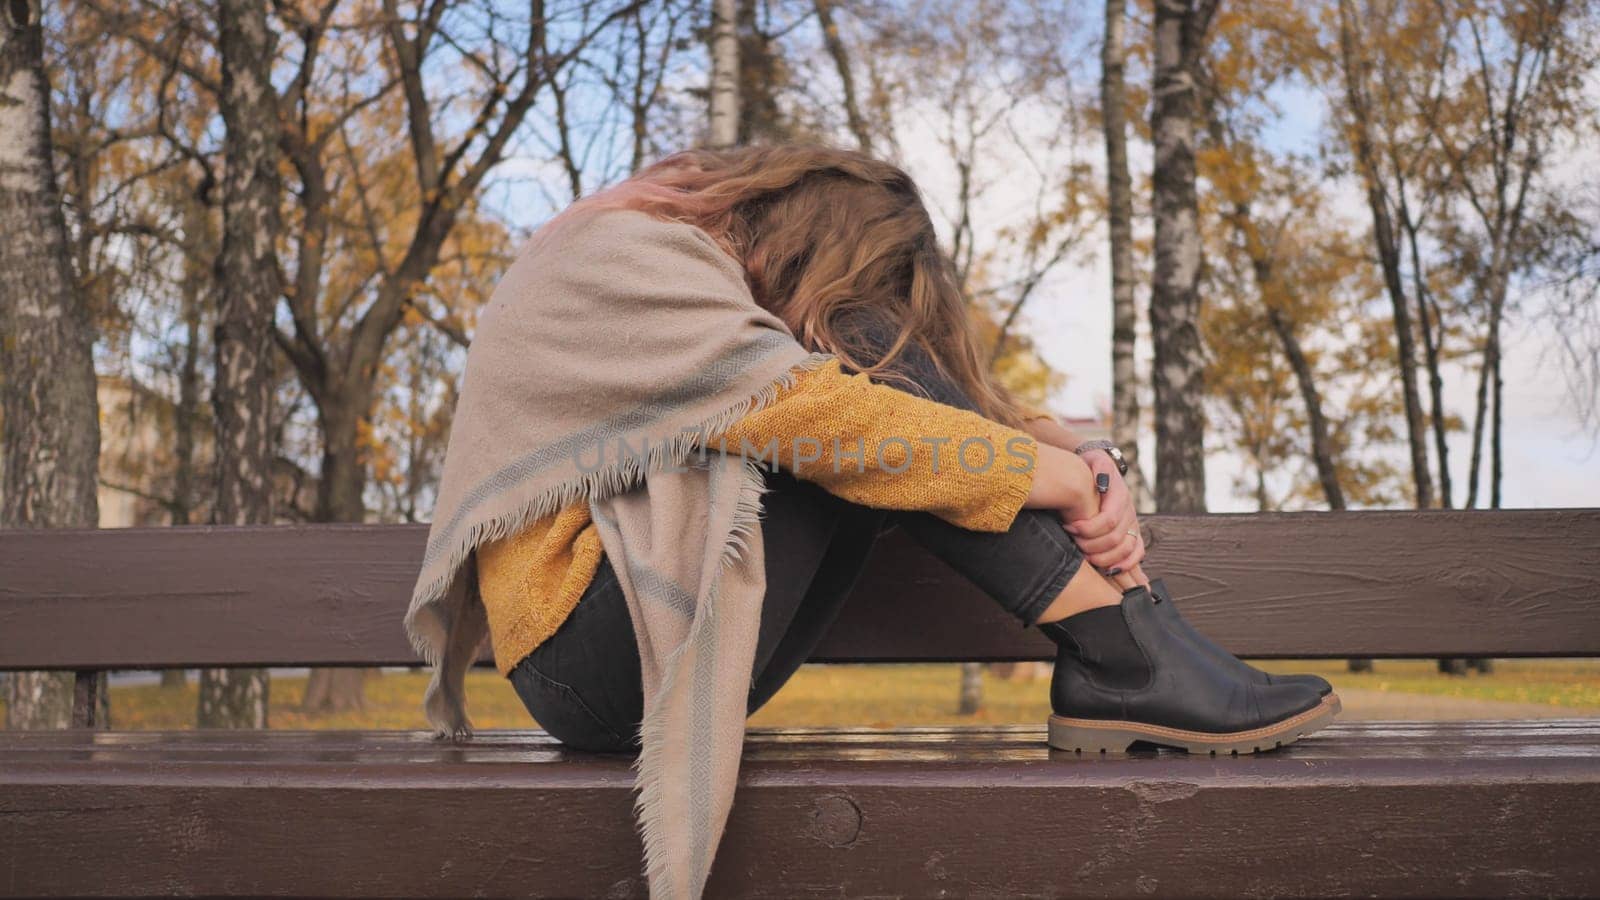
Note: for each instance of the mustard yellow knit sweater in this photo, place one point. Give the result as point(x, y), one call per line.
point(872, 444)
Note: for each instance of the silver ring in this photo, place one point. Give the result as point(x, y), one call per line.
point(1133, 532)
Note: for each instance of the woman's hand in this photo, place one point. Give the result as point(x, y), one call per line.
point(1110, 538)
point(1099, 523)
point(1063, 482)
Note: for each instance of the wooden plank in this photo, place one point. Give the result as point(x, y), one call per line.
point(148, 597)
point(1413, 809)
point(1525, 739)
point(1505, 583)
point(1375, 584)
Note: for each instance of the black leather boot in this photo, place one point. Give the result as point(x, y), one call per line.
point(1168, 612)
point(1123, 678)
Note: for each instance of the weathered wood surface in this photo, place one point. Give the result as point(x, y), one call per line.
point(1373, 584)
point(1398, 809)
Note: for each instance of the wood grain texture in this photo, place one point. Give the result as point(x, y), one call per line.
point(1397, 809)
point(1372, 584)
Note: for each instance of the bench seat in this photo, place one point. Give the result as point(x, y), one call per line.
point(1402, 809)
point(1447, 809)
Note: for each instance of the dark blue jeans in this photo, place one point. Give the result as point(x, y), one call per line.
point(583, 683)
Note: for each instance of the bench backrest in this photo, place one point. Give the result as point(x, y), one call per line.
point(1368, 584)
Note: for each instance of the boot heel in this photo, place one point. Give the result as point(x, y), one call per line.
point(1075, 734)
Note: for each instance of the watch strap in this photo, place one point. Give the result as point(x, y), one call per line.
point(1111, 450)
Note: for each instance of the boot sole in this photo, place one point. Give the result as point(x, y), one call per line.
point(1104, 736)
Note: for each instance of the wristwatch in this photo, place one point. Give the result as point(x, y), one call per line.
point(1111, 451)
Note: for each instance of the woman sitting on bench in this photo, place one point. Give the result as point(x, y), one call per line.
point(840, 248)
point(691, 406)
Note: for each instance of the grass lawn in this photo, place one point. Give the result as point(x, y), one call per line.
point(874, 695)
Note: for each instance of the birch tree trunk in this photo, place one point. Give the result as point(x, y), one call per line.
point(724, 130)
point(1119, 218)
point(1175, 297)
point(247, 295)
point(51, 437)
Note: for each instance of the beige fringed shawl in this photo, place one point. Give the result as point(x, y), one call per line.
point(616, 326)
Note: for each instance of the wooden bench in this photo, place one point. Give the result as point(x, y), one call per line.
point(1434, 809)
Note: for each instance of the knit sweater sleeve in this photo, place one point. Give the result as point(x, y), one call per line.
point(881, 447)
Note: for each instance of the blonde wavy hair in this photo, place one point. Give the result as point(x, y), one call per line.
point(824, 233)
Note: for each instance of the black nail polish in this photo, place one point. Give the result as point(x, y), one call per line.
point(1116, 571)
point(1102, 482)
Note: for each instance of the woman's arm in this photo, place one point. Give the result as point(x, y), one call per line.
point(882, 447)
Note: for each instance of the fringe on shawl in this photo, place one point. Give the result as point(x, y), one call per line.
point(745, 527)
point(449, 639)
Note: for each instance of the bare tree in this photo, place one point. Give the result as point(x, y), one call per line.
point(51, 438)
point(1263, 266)
point(1356, 69)
point(1263, 242)
point(1180, 29)
point(1516, 100)
point(339, 358)
point(841, 64)
point(1572, 252)
point(637, 82)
